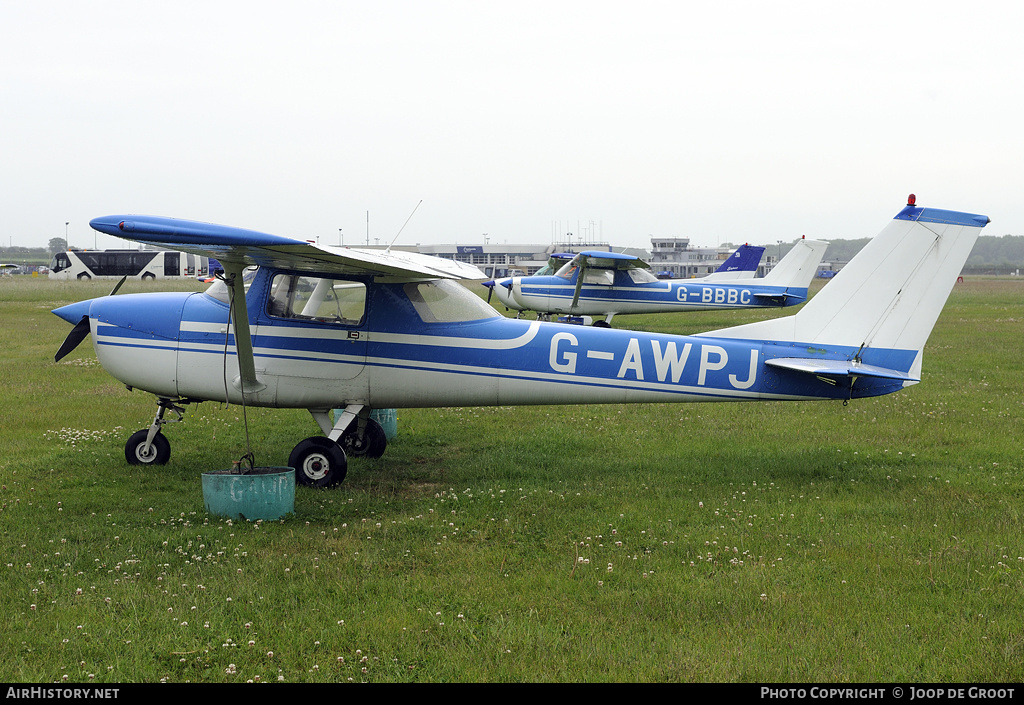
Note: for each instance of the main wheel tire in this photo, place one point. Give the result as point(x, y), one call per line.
point(84, 275)
point(318, 462)
point(372, 445)
point(159, 450)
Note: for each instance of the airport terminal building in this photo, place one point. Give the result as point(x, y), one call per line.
point(672, 257)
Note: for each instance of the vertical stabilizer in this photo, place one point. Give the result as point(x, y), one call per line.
point(742, 264)
point(890, 295)
point(799, 266)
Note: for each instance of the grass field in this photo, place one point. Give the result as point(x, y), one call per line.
point(879, 541)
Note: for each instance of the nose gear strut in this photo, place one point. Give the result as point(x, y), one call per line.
point(149, 446)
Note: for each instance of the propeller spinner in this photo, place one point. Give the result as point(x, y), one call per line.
point(82, 328)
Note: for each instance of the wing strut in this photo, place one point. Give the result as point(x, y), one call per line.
point(579, 282)
point(247, 381)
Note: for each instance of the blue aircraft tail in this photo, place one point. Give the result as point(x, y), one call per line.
point(744, 259)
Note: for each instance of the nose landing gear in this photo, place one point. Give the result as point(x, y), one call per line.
point(143, 450)
point(149, 446)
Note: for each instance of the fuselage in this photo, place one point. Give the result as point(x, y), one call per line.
point(613, 291)
point(420, 344)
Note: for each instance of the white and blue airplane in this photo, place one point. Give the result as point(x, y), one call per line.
point(597, 283)
point(741, 264)
point(320, 327)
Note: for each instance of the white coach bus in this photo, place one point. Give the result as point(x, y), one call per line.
point(135, 264)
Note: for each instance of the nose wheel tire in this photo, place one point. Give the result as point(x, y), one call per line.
point(135, 451)
point(371, 445)
point(318, 462)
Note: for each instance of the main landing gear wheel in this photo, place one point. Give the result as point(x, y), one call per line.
point(371, 445)
point(318, 462)
point(135, 449)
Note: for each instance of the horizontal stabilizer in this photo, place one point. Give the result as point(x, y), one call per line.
point(780, 295)
point(838, 368)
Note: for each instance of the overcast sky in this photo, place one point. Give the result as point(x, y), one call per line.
point(718, 121)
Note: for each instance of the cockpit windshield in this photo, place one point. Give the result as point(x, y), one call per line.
point(568, 270)
point(641, 276)
point(445, 301)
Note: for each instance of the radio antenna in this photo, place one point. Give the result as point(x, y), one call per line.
point(388, 249)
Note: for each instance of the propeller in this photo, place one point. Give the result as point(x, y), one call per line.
point(490, 284)
point(118, 285)
point(81, 330)
point(75, 337)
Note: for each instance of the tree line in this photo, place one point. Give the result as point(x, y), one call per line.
point(991, 254)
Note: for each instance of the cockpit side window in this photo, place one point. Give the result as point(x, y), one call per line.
point(318, 299)
point(605, 277)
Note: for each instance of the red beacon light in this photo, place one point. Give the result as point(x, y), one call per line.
point(911, 200)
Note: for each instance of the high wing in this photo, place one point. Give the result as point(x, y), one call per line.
point(249, 247)
point(599, 259)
